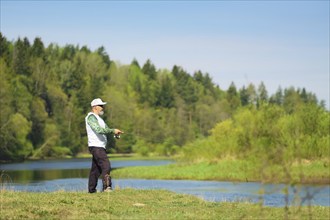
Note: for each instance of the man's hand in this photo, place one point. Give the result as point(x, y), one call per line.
point(117, 131)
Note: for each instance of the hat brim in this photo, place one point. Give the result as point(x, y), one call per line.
point(100, 104)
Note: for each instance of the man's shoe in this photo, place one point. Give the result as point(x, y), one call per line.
point(108, 189)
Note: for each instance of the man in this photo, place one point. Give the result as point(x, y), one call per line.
point(97, 140)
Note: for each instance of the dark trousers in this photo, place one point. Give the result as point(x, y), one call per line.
point(100, 166)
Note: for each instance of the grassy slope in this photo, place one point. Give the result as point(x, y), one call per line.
point(139, 204)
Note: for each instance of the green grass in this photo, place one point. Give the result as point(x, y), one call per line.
point(161, 204)
point(139, 204)
point(232, 170)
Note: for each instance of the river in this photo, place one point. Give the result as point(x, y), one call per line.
point(72, 175)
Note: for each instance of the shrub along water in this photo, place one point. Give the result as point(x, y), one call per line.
point(269, 137)
point(268, 134)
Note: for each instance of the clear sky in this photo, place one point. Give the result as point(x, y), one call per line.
point(280, 43)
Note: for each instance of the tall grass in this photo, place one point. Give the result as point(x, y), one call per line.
point(5, 181)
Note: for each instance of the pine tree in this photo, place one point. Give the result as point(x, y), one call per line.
point(232, 97)
point(150, 70)
point(21, 57)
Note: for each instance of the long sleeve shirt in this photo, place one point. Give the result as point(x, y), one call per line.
point(97, 130)
point(93, 122)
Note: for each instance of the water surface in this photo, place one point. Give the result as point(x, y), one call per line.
point(72, 175)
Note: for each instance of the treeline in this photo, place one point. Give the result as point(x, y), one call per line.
point(45, 93)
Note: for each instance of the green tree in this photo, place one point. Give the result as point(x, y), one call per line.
point(6, 100)
point(39, 76)
point(38, 119)
point(150, 70)
point(277, 98)
point(291, 100)
point(262, 94)
point(68, 52)
point(21, 57)
point(136, 78)
point(206, 82)
point(166, 93)
point(252, 93)
point(232, 97)
point(244, 96)
point(5, 49)
point(23, 97)
point(135, 63)
point(38, 49)
point(105, 57)
point(19, 128)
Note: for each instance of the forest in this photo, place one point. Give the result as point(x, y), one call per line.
point(45, 94)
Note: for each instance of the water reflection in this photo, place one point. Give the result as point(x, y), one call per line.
point(83, 163)
point(31, 176)
point(34, 171)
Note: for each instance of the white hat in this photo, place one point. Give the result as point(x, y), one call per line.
point(97, 101)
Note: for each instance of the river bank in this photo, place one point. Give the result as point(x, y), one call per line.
point(311, 172)
point(140, 204)
point(228, 169)
point(72, 175)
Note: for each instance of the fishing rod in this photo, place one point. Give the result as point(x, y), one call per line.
point(117, 136)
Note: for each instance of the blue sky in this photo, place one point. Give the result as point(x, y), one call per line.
point(280, 43)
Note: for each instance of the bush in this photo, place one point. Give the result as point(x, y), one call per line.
point(59, 151)
point(141, 148)
point(268, 134)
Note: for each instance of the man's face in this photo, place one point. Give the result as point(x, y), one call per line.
point(99, 109)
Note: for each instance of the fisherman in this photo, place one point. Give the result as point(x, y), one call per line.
point(96, 133)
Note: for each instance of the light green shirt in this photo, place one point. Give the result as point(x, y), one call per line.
point(94, 124)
